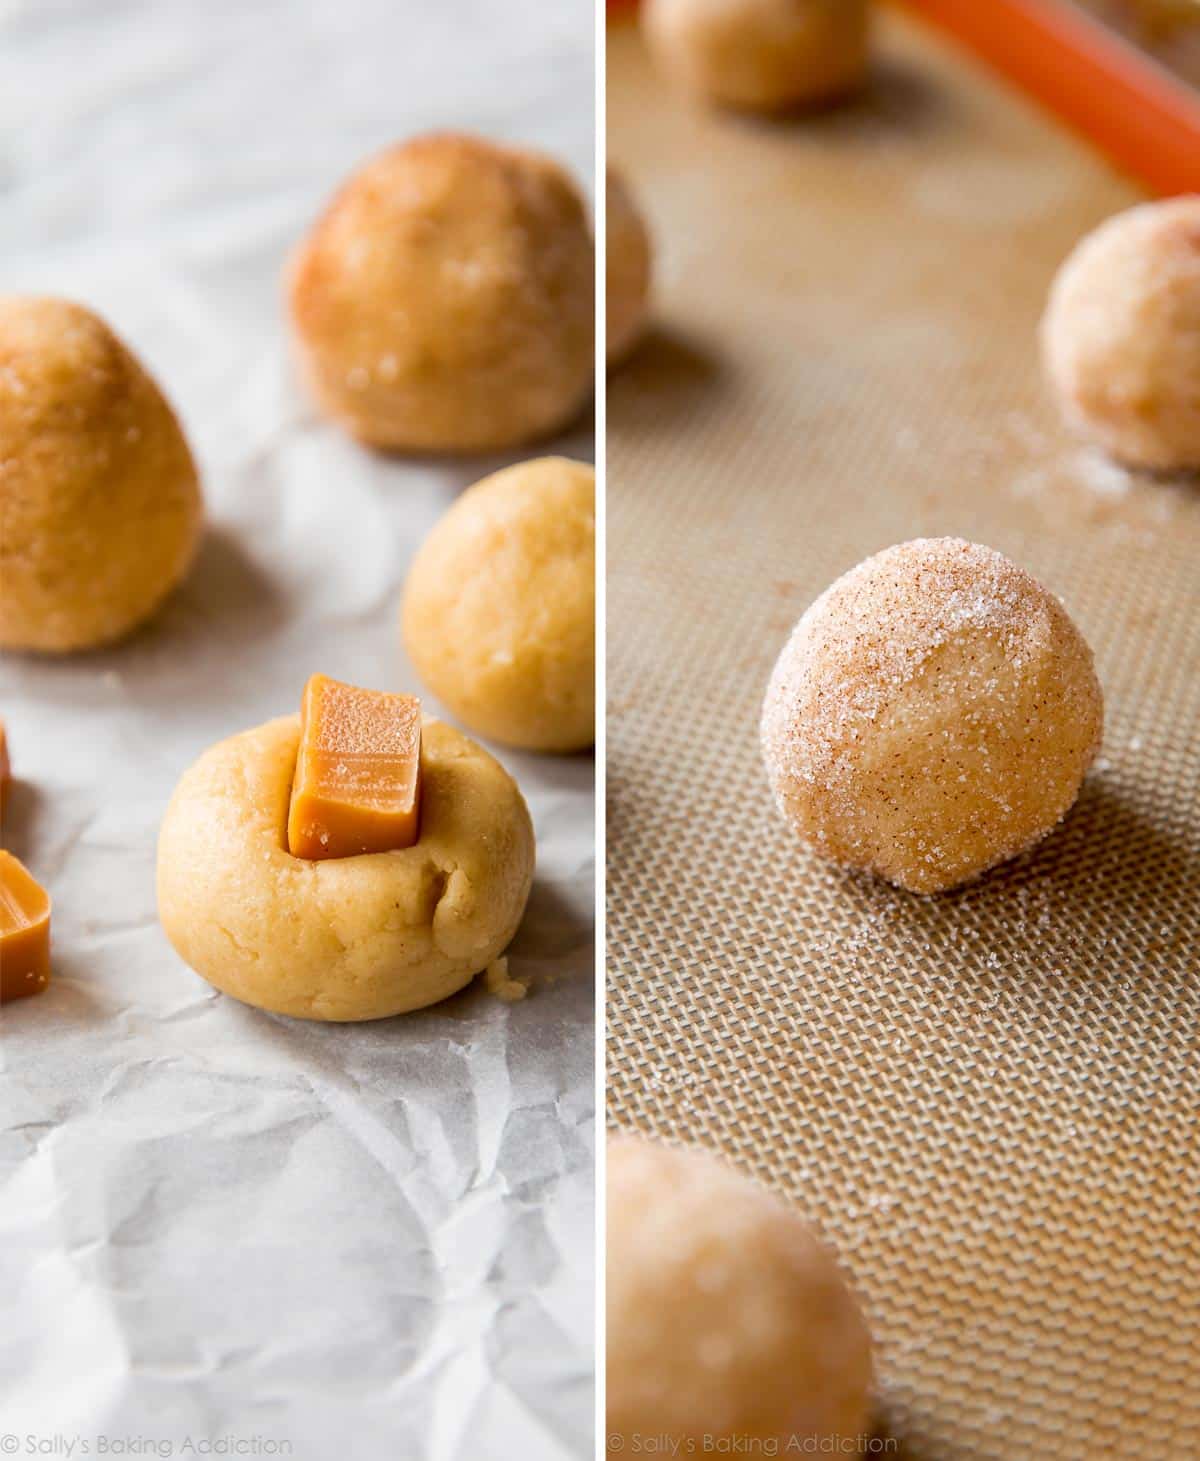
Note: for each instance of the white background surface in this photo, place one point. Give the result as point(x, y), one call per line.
point(357, 1241)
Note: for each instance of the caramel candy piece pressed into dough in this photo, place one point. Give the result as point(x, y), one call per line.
point(24, 931)
point(358, 772)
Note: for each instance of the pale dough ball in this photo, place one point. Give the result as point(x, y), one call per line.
point(499, 611)
point(100, 508)
point(445, 300)
point(761, 55)
point(627, 270)
point(933, 714)
point(1121, 335)
point(350, 938)
point(726, 1316)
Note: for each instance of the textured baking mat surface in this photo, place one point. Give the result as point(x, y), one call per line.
point(217, 1225)
point(988, 1100)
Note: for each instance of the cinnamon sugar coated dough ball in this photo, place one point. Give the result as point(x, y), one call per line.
point(932, 715)
point(727, 1318)
point(1121, 335)
point(499, 607)
point(445, 300)
point(627, 270)
point(761, 55)
point(345, 938)
point(100, 508)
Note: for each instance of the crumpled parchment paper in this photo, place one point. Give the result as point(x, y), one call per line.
point(224, 1232)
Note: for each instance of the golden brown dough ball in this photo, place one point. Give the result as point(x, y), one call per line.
point(627, 270)
point(1121, 335)
point(445, 299)
point(100, 507)
point(499, 611)
point(932, 715)
point(727, 1318)
point(761, 55)
point(343, 938)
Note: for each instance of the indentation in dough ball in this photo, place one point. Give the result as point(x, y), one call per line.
point(761, 55)
point(499, 607)
point(100, 507)
point(726, 1316)
point(1121, 335)
point(932, 715)
point(445, 300)
point(627, 270)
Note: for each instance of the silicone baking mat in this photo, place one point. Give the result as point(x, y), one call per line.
point(988, 1101)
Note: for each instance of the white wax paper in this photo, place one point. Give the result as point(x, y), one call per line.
point(223, 1232)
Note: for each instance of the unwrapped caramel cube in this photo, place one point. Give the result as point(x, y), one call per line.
point(357, 786)
point(5, 764)
point(24, 931)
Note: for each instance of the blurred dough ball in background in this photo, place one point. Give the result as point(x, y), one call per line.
point(761, 55)
point(1121, 335)
point(932, 715)
point(499, 607)
point(445, 299)
point(100, 506)
point(627, 269)
point(726, 1317)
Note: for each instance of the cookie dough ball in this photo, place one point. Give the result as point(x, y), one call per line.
point(761, 55)
point(100, 508)
point(627, 270)
point(933, 714)
point(499, 611)
point(348, 938)
point(726, 1316)
point(1121, 335)
point(445, 300)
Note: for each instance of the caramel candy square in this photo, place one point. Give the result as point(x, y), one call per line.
point(24, 931)
point(357, 786)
